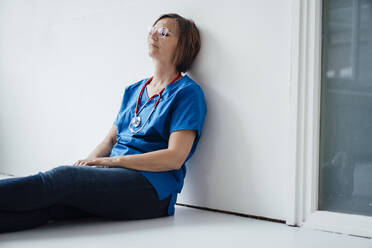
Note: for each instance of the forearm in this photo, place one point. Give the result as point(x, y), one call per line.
point(172, 158)
point(103, 149)
point(161, 160)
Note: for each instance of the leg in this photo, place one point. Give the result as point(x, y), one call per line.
point(37, 191)
point(116, 193)
point(17, 221)
point(63, 212)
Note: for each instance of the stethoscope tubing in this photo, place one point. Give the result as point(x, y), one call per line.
point(136, 113)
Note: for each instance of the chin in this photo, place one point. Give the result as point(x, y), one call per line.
point(152, 54)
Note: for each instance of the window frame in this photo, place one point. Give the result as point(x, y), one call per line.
point(304, 128)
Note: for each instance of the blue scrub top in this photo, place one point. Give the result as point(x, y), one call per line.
point(182, 106)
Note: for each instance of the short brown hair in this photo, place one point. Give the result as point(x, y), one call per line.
point(188, 45)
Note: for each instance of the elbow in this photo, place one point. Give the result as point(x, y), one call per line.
point(177, 166)
point(178, 160)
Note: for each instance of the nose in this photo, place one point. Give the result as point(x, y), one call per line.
point(154, 35)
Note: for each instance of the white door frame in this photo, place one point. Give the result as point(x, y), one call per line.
point(304, 128)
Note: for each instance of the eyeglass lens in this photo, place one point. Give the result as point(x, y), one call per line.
point(162, 31)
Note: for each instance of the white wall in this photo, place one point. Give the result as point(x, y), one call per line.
point(64, 65)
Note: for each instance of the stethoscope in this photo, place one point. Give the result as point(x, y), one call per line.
point(136, 120)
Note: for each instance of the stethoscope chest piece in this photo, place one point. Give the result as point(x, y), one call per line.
point(136, 121)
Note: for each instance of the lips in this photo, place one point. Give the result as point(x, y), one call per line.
point(153, 45)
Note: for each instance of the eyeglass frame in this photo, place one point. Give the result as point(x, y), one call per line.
point(159, 30)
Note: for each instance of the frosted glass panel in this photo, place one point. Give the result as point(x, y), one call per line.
point(345, 175)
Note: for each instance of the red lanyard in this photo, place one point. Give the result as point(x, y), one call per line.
point(159, 94)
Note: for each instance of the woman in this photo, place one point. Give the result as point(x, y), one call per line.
point(137, 171)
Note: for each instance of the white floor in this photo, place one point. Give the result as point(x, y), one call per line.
point(189, 227)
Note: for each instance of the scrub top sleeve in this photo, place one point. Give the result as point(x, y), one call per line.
point(189, 110)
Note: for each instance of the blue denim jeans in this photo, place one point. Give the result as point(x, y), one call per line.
point(70, 192)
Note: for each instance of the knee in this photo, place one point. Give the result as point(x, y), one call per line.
point(63, 169)
point(60, 172)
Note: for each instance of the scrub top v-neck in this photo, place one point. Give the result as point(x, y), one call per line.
point(182, 106)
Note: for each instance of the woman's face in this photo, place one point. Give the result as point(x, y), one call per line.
point(163, 48)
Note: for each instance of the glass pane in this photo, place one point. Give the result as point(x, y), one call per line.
point(345, 175)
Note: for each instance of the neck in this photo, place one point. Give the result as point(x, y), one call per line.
point(163, 75)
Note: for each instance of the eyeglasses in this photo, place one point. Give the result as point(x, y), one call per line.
point(162, 31)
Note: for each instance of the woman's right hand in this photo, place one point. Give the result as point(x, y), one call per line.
point(81, 162)
point(103, 149)
point(87, 162)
